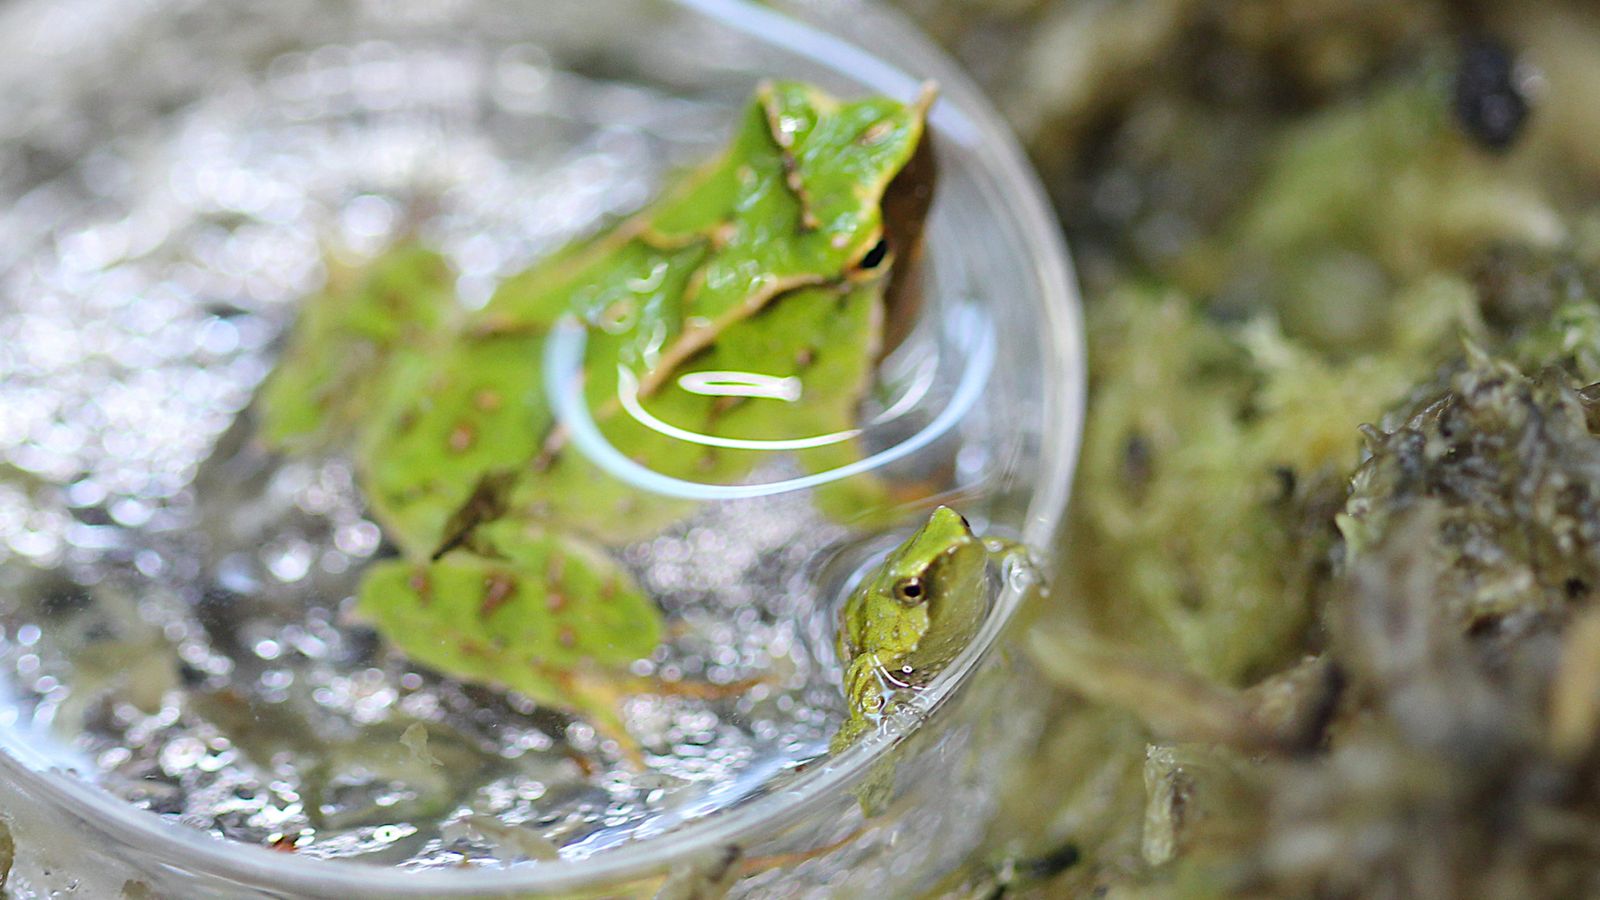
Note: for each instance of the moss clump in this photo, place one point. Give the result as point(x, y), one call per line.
point(1326, 623)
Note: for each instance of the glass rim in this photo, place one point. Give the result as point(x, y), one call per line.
point(963, 114)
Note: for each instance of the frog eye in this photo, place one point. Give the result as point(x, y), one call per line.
point(910, 591)
point(875, 256)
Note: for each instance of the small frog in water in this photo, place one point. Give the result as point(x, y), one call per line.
point(747, 307)
point(912, 615)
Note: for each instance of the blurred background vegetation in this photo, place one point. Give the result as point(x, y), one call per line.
point(1327, 623)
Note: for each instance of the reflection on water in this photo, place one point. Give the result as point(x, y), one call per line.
point(740, 384)
point(971, 334)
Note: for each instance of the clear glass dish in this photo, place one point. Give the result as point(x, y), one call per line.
point(166, 172)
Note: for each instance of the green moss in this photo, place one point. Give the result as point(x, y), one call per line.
point(1210, 451)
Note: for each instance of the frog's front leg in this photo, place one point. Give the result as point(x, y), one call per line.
point(865, 698)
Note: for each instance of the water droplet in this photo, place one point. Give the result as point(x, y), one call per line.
point(358, 538)
point(291, 562)
point(367, 217)
point(131, 513)
point(181, 754)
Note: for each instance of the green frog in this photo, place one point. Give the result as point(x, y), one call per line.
point(912, 615)
point(905, 622)
point(743, 310)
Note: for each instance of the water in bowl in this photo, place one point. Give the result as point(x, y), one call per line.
point(175, 601)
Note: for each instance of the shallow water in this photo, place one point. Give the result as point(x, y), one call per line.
point(175, 601)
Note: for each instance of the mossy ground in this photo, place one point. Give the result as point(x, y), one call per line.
point(1326, 623)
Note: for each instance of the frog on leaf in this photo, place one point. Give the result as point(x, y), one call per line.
point(772, 263)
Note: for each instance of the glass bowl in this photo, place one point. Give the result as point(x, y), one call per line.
point(167, 172)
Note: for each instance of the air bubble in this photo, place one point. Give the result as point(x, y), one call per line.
point(131, 513)
point(368, 217)
point(358, 538)
point(291, 563)
point(181, 754)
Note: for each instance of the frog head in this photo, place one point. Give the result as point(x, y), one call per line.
point(863, 173)
point(916, 610)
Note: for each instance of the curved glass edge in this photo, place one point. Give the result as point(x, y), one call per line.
point(808, 30)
